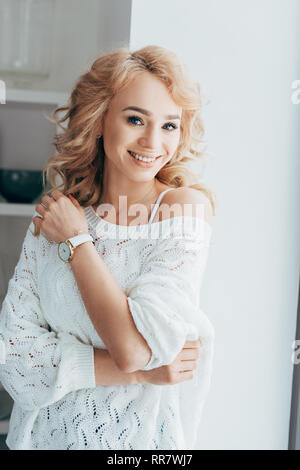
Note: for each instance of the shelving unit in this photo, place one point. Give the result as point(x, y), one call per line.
point(4, 426)
point(35, 96)
point(23, 210)
point(23, 110)
point(25, 135)
point(5, 405)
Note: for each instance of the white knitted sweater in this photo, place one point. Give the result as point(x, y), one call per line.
point(49, 340)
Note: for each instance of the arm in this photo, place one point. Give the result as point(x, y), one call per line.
point(108, 373)
point(107, 306)
point(164, 301)
point(180, 370)
point(40, 366)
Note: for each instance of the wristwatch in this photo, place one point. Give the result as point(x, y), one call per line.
point(66, 249)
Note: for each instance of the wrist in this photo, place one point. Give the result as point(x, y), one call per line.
point(139, 377)
point(81, 249)
point(79, 232)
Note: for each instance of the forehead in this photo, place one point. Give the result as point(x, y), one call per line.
point(148, 92)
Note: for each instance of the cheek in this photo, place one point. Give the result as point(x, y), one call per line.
point(114, 139)
point(113, 136)
point(121, 137)
point(173, 145)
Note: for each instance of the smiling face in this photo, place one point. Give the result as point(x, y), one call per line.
point(151, 129)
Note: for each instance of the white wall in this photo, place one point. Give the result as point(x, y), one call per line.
point(245, 56)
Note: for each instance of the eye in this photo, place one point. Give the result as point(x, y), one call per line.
point(135, 118)
point(171, 124)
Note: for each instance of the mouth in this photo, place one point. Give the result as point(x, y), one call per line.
point(142, 161)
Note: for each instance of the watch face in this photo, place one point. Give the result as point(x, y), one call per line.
point(64, 251)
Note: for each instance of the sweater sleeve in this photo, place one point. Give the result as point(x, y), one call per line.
point(164, 300)
point(39, 366)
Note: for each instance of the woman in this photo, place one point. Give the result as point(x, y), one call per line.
point(106, 347)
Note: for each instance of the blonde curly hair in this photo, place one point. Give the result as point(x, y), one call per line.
point(79, 160)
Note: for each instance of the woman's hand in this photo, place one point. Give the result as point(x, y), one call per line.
point(180, 370)
point(62, 217)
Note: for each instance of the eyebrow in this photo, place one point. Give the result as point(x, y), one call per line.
point(147, 113)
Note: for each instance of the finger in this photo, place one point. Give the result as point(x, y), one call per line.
point(188, 367)
point(47, 200)
point(193, 341)
point(56, 194)
point(74, 200)
point(192, 344)
point(37, 221)
point(189, 355)
point(183, 376)
point(41, 209)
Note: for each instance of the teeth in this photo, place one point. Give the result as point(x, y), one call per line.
point(143, 159)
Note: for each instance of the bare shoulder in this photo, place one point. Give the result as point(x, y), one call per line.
point(186, 201)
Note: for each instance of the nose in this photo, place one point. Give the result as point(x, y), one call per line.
point(151, 139)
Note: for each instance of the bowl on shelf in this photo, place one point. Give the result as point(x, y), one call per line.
point(21, 186)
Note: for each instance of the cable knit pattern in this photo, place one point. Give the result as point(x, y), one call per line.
point(49, 340)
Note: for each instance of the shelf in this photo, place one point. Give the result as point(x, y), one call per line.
point(34, 96)
point(24, 210)
point(4, 426)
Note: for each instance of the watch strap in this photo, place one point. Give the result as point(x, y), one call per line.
point(78, 239)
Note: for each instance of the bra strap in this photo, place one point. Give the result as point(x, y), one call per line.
point(156, 206)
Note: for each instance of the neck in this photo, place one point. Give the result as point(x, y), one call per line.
point(147, 193)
